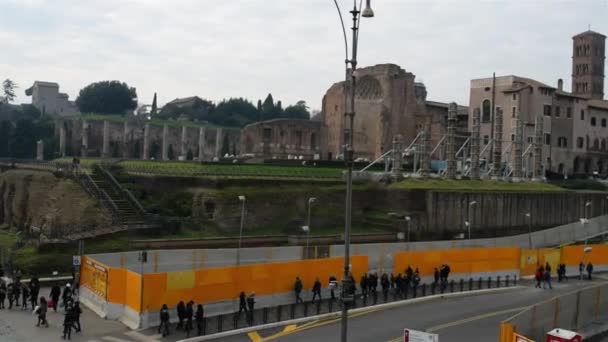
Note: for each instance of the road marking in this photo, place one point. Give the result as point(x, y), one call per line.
point(290, 327)
point(467, 320)
point(141, 337)
point(114, 339)
point(255, 337)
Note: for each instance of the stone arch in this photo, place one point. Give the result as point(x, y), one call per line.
point(560, 168)
point(596, 144)
point(369, 88)
point(313, 141)
point(600, 166)
point(603, 144)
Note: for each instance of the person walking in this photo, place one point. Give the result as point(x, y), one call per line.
point(2, 293)
point(385, 283)
point(333, 284)
point(41, 311)
point(538, 275)
point(589, 270)
point(25, 296)
point(16, 292)
point(581, 270)
point(363, 285)
point(66, 297)
point(77, 313)
point(199, 318)
point(54, 295)
point(68, 321)
point(34, 290)
point(164, 321)
point(547, 279)
point(436, 276)
point(10, 294)
point(251, 305)
point(242, 303)
point(316, 291)
point(181, 314)
point(297, 288)
point(189, 316)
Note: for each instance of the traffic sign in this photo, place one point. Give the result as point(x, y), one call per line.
point(76, 260)
point(419, 336)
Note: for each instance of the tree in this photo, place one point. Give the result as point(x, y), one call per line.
point(154, 106)
point(199, 109)
point(297, 111)
point(9, 90)
point(107, 97)
point(268, 108)
point(234, 112)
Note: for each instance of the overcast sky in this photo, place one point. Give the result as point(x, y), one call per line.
point(292, 48)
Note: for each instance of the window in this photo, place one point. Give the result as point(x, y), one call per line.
point(557, 111)
point(569, 112)
point(513, 109)
point(486, 139)
point(530, 140)
point(298, 138)
point(547, 110)
point(514, 97)
point(596, 144)
point(547, 139)
point(603, 122)
point(512, 137)
point(562, 142)
point(582, 114)
point(593, 123)
point(580, 142)
point(486, 109)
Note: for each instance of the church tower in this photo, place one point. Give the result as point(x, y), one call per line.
point(588, 59)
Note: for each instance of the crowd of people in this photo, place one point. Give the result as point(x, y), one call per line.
point(186, 318)
point(543, 274)
point(14, 290)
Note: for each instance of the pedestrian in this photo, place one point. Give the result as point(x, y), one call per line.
point(199, 317)
point(67, 295)
point(242, 302)
point(297, 288)
point(581, 270)
point(10, 293)
point(316, 290)
point(68, 321)
point(373, 286)
point(539, 277)
point(77, 313)
point(55, 293)
point(589, 270)
point(547, 279)
point(181, 314)
point(189, 315)
point(25, 296)
point(164, 321)
point(548, 267)
point(363, 284)
point(250, 306)
point(385, 283)
point(436, 276)
point(416, 279)
point(34, 290)
point(333, 284)
point(2, 293)
point(393, 280)
point(16, 291)
point(41, 311)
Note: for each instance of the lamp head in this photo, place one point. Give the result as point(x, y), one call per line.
point(466, 223)
point(312, 200)
point(473, 203)
point(407, 218)
point(528, 215)
point(242, 198)
point(368, 12)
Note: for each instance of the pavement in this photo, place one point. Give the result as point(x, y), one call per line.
point(473, 318)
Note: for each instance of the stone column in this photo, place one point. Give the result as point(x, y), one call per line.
point(424, 151)
point(497, 158)
point(106, 139)
point(397, 171)
point(39, 150)
point(518, 148)
point(201, 143)
point(85, 139)
point(165, 142)
point(538, 149)
point(474, 143)
point(62, 139)
point(125, 140)
point(146, 154)
point(183, 145)
point(218, 142)
point(451, 141)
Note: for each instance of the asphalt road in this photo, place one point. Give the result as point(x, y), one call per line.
point(474, 318)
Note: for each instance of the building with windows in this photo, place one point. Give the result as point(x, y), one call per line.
point(47, 98)
point(574, 124)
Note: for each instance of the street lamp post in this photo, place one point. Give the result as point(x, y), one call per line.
point(310, 202)
point(242, 199)
point(469, 223)
point(348, 147)
point(407, 220)
point(529, 217)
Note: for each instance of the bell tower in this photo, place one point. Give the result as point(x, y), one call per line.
point(588, 64)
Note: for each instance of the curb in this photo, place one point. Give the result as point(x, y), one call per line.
point(358, 310)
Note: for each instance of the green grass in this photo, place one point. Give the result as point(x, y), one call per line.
point(475, 185)
point(227, 170)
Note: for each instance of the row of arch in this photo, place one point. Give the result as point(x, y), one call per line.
point(586, 166)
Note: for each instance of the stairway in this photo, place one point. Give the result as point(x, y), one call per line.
point(125, 211)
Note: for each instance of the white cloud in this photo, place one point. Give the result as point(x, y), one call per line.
point(290, 48)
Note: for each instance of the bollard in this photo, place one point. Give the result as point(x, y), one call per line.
point(479, 284)
point(265, 315)
point(414, 292)
point(219, 323)
point(461, 285)
point(489, 282)
point(424, 290)
point(292, 308)
point(251, 318)
point(470, 284)
point(498, 281)
point(452, 286)
point(507, 281)
point(204, 326)
point(433, 286)
point(331, 305)
point(319, 307)
point(364, 300)
point(279, 312)
point(305, 309)
point(235, 319)
point(515, 280)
